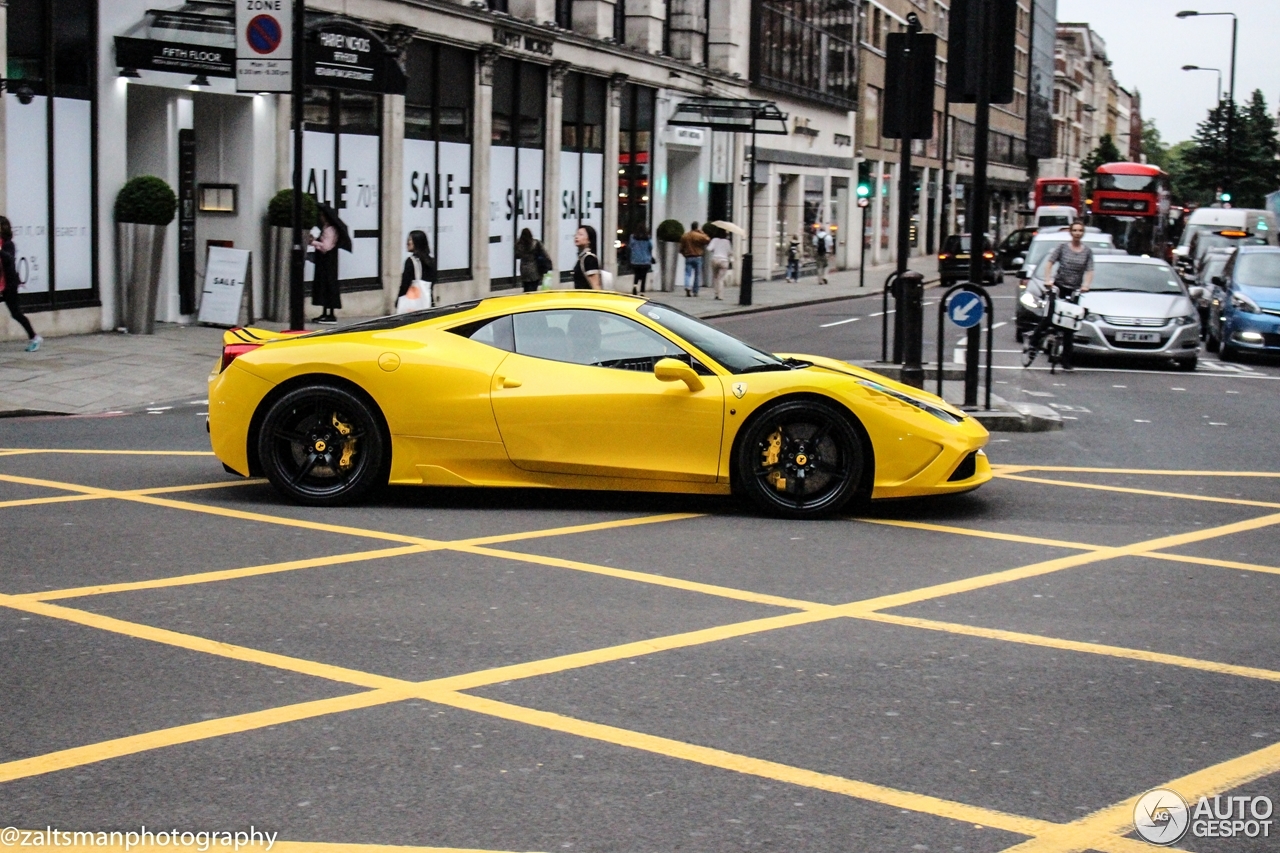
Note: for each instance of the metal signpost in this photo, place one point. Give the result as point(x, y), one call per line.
point(736, 115)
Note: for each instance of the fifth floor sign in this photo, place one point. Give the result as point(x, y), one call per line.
point(341, 54)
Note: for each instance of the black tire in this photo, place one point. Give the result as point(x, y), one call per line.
point(1211, 342)
point(307, 436)
point(799, 459)
point(1187, 364)
point(1226, 352)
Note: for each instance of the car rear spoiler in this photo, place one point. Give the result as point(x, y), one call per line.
point(254, 335)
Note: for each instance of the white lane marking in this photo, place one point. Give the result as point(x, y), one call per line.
point(1119, 386)
point(1233, 392)
point(1069, 418)
point(1177, 389)
point(1216, 423)
point(839, 322)
point(1037, 393)
point(1140, 421)
point(1001, 323)
point(882, 313)
point(1124, 372)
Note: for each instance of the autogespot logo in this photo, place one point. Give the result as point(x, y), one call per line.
point(1162, 817)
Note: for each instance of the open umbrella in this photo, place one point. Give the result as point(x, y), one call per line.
point(344, 235)
point(730, 227)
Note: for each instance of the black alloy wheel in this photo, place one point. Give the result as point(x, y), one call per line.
point(322, 446)
point(799, 459)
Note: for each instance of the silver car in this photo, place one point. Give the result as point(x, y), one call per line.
point(1138, 308)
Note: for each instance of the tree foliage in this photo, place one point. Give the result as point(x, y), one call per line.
point(1250, 171)
point(1106, 152)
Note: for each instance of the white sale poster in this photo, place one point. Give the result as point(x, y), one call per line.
point(502, 207)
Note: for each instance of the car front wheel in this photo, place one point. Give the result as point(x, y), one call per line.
point(799, 459)
point(322, 445)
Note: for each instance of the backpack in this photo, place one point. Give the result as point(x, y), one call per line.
point(542, 259)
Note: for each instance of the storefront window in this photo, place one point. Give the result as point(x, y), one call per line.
point(581, 162)
point(437, 154)
point(52, 50)
point(515, 162)
point(807, 48)
point(635, 144)
point(342, 167)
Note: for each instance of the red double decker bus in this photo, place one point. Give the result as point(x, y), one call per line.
point(1063, 192)
point(1130, 201)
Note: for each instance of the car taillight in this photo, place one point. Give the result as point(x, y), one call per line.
point(989, 255)
point(943, 256)
point(230, 352)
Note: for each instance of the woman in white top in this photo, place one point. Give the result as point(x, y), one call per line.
point(719, 249)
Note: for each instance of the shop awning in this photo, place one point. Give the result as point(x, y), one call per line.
point(735, 115)
point(195, 38)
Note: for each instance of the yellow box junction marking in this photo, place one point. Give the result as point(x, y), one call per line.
point(1100, 831)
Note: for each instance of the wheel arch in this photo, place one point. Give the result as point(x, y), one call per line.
point(867, 482)
point(265, 404)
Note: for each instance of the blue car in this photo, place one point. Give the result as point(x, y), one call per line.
point(1245, 314)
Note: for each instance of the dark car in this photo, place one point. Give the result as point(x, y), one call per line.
point(1014, 246)
point(1246, 315)
point(953, 261)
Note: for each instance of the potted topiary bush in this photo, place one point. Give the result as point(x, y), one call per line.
point(280, 248)
point(144, 208)
point(669, 233)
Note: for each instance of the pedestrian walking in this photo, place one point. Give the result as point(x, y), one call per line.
point(528, 251)
point(9, 283)
point(693, 246)
point(641, 248)
point(793, 260)
point(419, 266)
point(719, 249)
point(586, 272)
point(822, 251)
point(324, 287)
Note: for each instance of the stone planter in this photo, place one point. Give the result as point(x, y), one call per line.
point(279, 262)
point(668, 259)
point(140, 252)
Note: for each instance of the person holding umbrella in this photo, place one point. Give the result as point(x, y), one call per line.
point(324, 287)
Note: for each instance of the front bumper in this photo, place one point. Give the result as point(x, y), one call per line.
point(1099, 337)
point(1253, 332)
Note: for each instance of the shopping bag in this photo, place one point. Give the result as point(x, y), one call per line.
point(416, 298)
point(1067, 315)
point(548, 281)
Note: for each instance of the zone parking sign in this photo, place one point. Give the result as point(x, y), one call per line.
point(264, 45)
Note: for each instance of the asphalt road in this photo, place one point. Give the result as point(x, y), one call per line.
point(517, 671)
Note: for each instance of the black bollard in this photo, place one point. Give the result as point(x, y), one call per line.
point(911, 310)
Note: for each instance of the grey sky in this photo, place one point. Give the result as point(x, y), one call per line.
point(1148, 46)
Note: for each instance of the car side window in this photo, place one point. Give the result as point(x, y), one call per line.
point(496, 332)
point(594, 338)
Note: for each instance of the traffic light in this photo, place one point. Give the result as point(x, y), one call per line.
point(1226, 197)
point(981, 33)
point(864, 179)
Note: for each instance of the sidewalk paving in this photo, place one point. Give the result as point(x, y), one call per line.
point(88, 374)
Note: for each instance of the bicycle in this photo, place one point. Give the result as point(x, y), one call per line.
point(1066, 317)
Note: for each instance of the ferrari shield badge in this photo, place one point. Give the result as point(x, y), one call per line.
point(739, 388)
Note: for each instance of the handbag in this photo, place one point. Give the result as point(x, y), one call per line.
point(418, 297)
point(542, 260)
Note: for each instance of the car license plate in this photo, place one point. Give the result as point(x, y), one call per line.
point(1138, 337)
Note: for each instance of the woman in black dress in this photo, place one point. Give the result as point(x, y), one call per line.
point(324, 287)
point(527, 252)
point(419, 266)
point(586, 272)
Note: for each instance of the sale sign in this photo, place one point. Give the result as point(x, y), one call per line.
point(264, 45)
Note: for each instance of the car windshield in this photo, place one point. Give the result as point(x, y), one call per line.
point(733, 354)
point(396, 321)
point(1125, 183)
point(1258, 269)
point(1137, 278)
point(1191, 230)
point(1040, 249)
point(960, 243)
point(1213, 266)
point(1209, 240)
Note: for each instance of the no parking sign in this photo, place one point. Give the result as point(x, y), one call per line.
point(264, 45)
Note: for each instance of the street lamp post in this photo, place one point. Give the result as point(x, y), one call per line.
point(1206, 68)
point(1231, 91)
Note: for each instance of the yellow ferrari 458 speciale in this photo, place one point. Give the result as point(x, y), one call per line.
point(576, 389)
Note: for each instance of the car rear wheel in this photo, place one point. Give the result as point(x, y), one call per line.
point(321, 445)
point(799, 459)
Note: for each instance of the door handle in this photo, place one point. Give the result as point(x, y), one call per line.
point(508, 382)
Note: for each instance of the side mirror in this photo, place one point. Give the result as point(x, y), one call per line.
point(1019, 261)
point(1217, 279)
point(670, 370)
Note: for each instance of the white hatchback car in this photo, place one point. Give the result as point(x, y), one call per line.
point(1138, 308)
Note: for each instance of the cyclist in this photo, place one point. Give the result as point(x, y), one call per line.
point(1070, 272)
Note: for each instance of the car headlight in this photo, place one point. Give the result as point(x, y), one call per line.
point(1243, 303)
point(1092, 317)
point(1029, 300)
point(1188, 320)
point(922, 405)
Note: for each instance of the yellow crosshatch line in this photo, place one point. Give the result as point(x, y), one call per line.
point(1100, 831)
point(1044, 481)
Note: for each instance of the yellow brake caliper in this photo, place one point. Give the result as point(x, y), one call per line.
point(348, 446)
point(772, 453)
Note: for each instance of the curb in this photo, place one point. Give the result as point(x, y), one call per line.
point(760, 309)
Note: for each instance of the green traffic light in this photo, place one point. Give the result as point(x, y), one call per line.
point(863, 190)
point(1226, 196)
